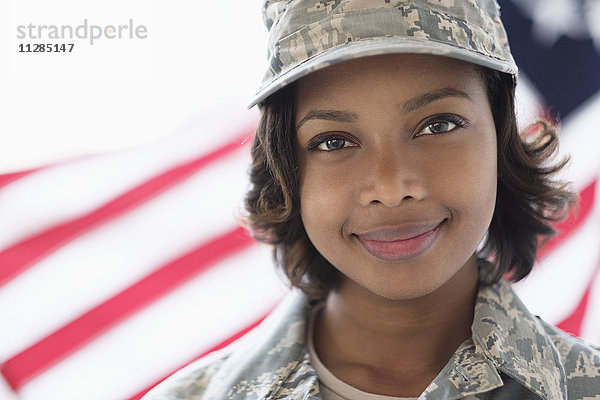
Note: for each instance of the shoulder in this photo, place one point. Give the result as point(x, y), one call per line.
point(580, 360)
point(190, 381)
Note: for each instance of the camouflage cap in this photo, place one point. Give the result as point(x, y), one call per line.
point(307, 35)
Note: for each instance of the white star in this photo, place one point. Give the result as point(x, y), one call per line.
point(592, 16)
point(553, 19)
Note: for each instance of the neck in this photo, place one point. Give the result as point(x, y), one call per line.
point(395, 347)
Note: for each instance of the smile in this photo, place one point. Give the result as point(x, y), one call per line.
point(402, 244)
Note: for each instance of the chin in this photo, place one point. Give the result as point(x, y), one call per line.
point(408, 292)
point(397, 285)
point(410, 281)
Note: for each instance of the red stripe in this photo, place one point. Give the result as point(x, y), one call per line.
point(573, 323)
point(31, 362)
point(24, 254)
point(221, 345)
point(567, 227)
point(5, 179)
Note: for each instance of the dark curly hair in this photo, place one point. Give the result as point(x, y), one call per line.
point(529, 201)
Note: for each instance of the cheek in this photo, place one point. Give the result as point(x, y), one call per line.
point(471, 182)
point(485, 175)
point(325, 199)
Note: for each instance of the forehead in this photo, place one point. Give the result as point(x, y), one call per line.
point(386, 77)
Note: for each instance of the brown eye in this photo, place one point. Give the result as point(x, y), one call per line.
point(332, 144)
point(442, 123)
point(439, 127)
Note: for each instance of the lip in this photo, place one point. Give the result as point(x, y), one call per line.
point(400, 243)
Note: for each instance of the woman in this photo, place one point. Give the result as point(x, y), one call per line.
point(389, 175)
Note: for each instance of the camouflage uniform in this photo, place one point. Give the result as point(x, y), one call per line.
point(511, 355)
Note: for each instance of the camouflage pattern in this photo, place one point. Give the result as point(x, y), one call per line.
point(306, 35)
point(511, 355)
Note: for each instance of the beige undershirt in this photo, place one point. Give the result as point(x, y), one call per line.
point(332, 388)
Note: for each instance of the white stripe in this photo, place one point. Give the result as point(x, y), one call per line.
point(101, 263)
point(167, 334)
point(590, 329)
point(65, 191)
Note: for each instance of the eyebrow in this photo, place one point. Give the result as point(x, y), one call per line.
point(329, 115)
point(429, 97)
point(409, 106)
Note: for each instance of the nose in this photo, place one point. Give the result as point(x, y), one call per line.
point(392, 176)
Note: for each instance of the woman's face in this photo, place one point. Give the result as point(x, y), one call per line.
point(397, 166)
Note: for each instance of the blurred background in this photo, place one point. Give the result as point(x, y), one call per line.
point(122, 173)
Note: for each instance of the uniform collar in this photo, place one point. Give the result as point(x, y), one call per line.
point(516, 343)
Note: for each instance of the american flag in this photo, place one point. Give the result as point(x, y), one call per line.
point(117, 269)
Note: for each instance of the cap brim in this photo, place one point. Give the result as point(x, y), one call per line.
point(378, 46)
